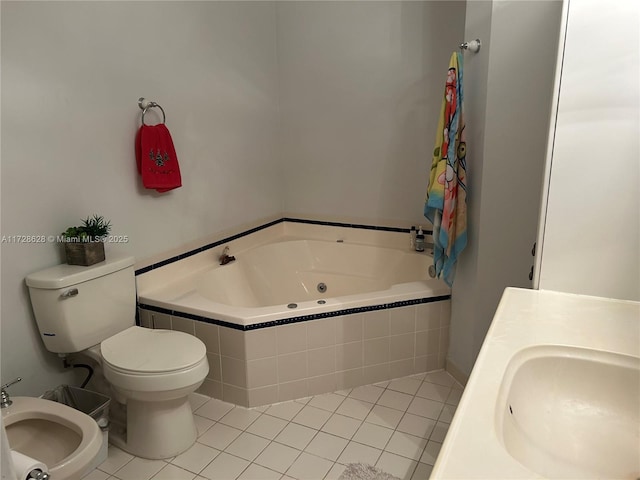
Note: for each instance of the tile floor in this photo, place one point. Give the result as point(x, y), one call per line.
point(397, 426)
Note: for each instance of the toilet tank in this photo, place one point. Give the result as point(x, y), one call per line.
point(78, 307)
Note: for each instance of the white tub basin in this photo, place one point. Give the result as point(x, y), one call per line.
point(568, 412)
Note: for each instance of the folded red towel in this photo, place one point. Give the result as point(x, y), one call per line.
point(156, 158)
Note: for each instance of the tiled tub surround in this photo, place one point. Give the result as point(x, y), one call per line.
point(262, 352)
point(274, 364)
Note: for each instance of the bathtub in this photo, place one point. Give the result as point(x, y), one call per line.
point(346, 307)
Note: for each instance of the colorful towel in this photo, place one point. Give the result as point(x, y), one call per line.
point(445, 205)
point(156, 158)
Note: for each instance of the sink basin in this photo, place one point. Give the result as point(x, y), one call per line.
point(569, 412)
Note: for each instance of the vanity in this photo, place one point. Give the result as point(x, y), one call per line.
point(554, 393)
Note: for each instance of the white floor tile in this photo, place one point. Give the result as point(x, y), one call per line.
point(140, 469)
point(202, 424)
point(328, 401)
point(296, 436)
point(96, 475)
point(312, 417)
point(430, 453)
point(354, 408)
point(358, 453)
point(196, 458)
point(224, 467)
point(367, 393)
point(384, 416)
point(439, 432)
point(373, 435)
point(309, 467)
point(247, 446)
point(446, 415)
point(416, 425)
point(441, 378)
point(285, 410)
point(423, 472)
point(116, 459)
point(432, 391)
point(267, 426)
point(454, 396)
point(392, 399)
point(342, 436)
point(214, 409)
point(240, 418)
point(256, 472)
point(171, 472)
point(197, 400)
point(335, 472)
point(382, 384)
point(396, 465)
point(425, 407)
point(341, 426)
point(406, 385)
point(277, 457)
point(326, 446)
point(345, 392)
point(219, 436)
point(406, 445)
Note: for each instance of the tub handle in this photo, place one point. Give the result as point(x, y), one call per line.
point(72, 292)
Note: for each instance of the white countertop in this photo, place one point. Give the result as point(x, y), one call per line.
point(525, 318)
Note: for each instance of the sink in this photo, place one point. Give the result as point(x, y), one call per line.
point(570, 412)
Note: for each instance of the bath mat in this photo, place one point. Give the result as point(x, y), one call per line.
point(361, 471)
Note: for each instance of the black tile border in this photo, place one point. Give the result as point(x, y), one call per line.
point(182, 256)
point(298, 319)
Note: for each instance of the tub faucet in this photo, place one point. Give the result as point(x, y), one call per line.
point(225, 257)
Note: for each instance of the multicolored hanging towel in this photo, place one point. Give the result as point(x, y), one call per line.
point(156, 158)
point(445, 206)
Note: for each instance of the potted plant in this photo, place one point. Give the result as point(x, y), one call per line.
point(84, 245)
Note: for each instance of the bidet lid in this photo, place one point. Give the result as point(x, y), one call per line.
point(61, 276)
point(144, 350)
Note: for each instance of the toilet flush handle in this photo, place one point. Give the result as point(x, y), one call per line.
point(72, 292)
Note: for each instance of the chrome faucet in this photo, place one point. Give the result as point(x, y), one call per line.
point(5, 401)
point(225, 257)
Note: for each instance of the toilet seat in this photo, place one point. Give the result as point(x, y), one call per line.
point(147, 360)
point(143, 351)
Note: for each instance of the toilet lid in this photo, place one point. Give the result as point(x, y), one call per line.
point(144, 350)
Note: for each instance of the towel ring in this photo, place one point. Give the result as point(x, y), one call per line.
point(145, 105)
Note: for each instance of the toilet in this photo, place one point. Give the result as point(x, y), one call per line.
point(91, 310)
point(67, 441)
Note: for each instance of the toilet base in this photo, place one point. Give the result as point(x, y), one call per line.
point(157, 430)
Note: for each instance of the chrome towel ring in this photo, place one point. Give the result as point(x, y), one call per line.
point(145, 105)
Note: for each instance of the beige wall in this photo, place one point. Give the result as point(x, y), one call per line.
point(509, 86)
point(360, 92)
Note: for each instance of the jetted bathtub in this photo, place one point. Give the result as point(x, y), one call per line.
point(303, 310)
point(296, 277)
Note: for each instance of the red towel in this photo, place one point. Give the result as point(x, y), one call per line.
point(156, 158)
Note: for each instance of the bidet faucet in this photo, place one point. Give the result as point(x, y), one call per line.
point(225, 257)
point(5, 401)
